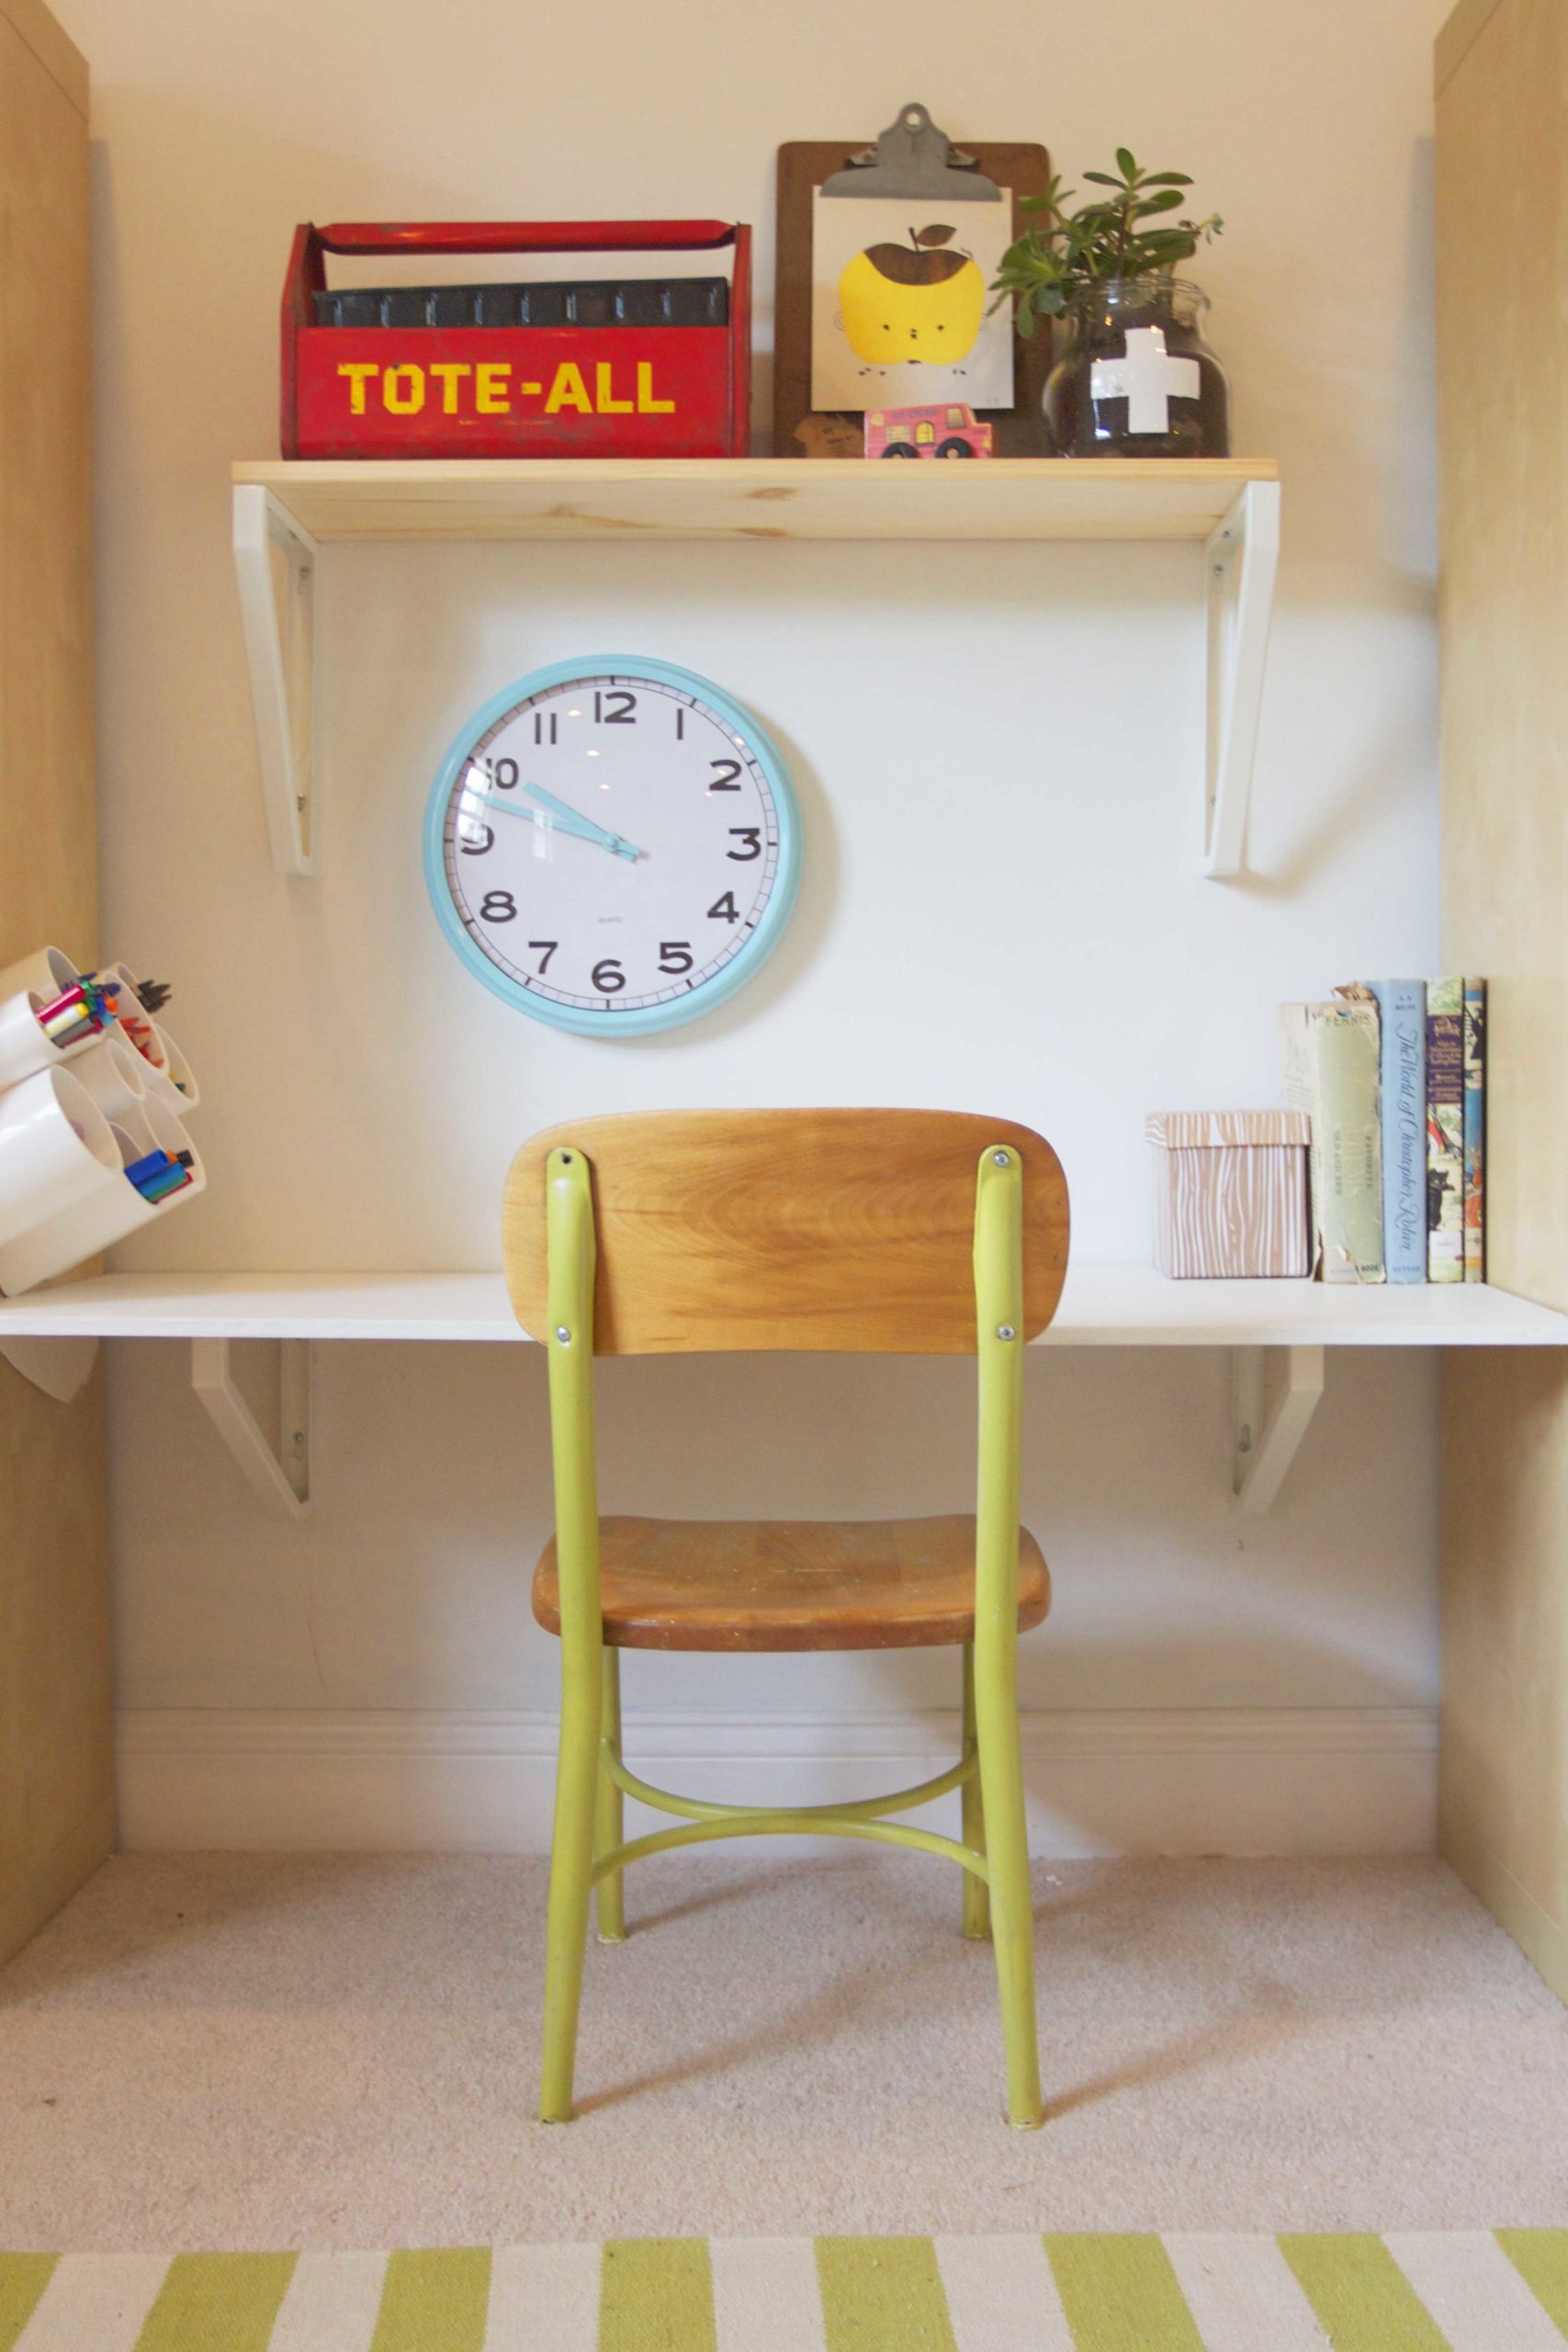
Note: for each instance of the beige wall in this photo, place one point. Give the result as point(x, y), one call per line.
point(1051, 954)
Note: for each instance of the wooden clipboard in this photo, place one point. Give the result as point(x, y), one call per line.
point(800, 431)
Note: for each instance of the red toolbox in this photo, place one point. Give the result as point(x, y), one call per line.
point(591, 367)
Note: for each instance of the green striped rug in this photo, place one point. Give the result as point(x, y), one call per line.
point(1504, 2291)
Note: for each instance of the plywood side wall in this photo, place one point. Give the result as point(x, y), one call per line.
point(1503, 373)
point(56, 1789)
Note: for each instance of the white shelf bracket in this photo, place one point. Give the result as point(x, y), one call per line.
point(274, 564)
point(280, 1478)
point(1240, 560)
point(1267, 1431)
point(59, 1367)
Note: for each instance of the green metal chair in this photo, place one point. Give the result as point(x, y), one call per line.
point(867, 1232)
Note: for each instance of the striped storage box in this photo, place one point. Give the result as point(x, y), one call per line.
point(1231, 1191)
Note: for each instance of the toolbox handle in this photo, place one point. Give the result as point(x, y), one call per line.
point(521, 237)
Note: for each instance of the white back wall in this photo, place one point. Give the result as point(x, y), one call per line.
point(998, 753)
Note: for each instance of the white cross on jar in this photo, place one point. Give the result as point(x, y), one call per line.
point(1147, 377)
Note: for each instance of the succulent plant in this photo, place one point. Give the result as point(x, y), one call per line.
point(1061, 255)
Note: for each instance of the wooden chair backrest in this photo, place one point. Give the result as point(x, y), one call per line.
point(847, 1230)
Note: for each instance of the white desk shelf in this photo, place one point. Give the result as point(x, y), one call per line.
point(1278, 1330)
point(1102, 1306)
point(284, 512)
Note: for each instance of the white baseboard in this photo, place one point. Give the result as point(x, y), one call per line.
point(1204, 1780)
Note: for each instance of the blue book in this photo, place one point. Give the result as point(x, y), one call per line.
point(1402, 1008)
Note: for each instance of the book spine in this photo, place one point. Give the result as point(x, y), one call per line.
point(1299, 1090)
point(1402, 1006)
point(1445, 1131)
point(1475, 1131)
point(1345, 1052)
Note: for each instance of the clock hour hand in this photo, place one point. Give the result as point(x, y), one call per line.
point(565, 819)
point(574, 823)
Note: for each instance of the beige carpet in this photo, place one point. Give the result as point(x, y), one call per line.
point(258, 2051)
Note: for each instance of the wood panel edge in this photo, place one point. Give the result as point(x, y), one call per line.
point(57, 1802)
point(52, 46)
point(66, 1870)
point(417, 473)
point(1456, 37)
point(1541, 1938)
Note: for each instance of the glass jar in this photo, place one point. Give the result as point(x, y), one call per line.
point(1136, 379)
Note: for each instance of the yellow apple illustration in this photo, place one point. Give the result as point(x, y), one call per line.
point(912, 302)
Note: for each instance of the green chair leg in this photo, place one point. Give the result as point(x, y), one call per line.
point(976, 1894)
point(610, 1895)
point(571, 1868)
point(1013, 1912)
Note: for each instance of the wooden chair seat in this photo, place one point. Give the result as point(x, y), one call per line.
point(772, 1584)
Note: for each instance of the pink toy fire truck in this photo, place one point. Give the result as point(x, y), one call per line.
point(948, 430)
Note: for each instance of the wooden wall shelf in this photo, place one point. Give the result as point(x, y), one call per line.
point(284, 512)
point(758, 498)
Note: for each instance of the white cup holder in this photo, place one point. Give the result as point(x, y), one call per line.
point(69, 1135)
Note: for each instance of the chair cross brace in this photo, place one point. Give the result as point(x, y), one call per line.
point(809, 1822)
point(859, 1818)
point(858, 1809)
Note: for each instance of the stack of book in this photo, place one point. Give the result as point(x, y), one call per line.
point(1392, 1076)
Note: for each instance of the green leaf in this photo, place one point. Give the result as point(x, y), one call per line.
point(1049, 266)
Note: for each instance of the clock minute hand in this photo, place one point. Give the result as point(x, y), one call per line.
point(565, 819)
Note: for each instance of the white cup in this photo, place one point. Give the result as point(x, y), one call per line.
point(168, 1134)
point(49, 971)
point(113, 1073)
point(132, 1128)
point(172, 1082)
point(58, 1155)
point(110, 1210)
point(130, 1000)
point(26, 1045)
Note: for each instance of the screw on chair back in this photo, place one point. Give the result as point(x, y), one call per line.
point(843, 1230)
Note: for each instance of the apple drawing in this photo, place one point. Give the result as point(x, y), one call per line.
point(912, 302)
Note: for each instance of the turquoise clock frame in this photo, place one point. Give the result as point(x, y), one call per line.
point(747, 961)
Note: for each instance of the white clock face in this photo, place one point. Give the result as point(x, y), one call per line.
point(613, 845)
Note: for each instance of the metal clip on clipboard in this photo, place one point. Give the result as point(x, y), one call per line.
point(913, 158)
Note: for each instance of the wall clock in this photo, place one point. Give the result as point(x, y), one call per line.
point(612, 846)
